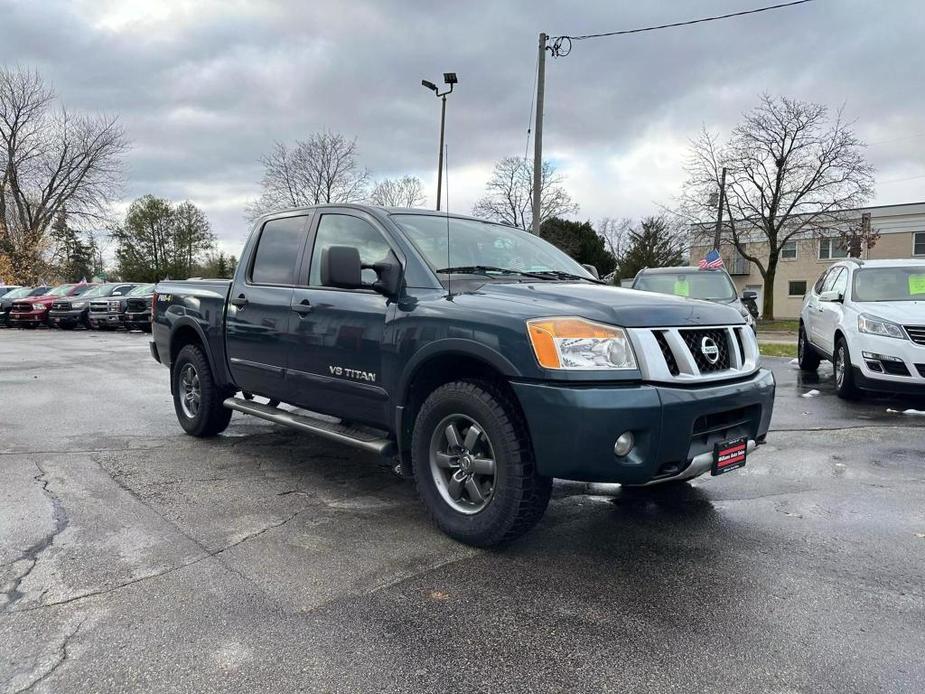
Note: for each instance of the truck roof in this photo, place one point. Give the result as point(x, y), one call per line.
point(374, 209)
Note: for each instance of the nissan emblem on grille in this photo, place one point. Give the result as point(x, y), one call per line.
point(709, 350)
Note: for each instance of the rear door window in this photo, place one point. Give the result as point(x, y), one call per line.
point(278, 251)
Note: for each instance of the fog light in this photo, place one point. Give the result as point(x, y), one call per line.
point(624, 444)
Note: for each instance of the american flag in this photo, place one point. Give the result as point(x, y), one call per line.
point(712, 261)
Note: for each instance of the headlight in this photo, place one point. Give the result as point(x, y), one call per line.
point(79, 304)
point(575, 343)
point(877, 326)
point(39, 307)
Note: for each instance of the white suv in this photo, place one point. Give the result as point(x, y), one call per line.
point(868, 319)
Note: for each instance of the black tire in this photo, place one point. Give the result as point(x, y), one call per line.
point(146, 328)
point(807, 357)
point(518, 495)
point(67, 326)
point(209, 417)
point(845, 387)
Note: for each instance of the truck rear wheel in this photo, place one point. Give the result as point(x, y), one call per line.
point(196, 397)
point(473, 464)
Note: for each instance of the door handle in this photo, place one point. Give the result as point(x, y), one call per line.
point(239, 301)
point(304, 307)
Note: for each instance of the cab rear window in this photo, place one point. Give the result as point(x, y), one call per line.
point(278, 251)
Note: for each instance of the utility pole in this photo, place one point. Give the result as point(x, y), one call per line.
point(719, 214)
point(538, 133)
point(440, 158)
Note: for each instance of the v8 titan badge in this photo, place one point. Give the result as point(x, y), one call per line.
point(729, 455)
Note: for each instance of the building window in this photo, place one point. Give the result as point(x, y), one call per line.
point(918, 243)
point(796, 288)
point(788, 251)
point(830, 249)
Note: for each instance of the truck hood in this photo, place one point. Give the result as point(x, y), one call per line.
point(612, 305)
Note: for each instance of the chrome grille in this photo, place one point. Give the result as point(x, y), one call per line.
point(61, 306)
point(675, 354)
point(21, 306)
point(916, 333)
point(697, 341)
point(98, 306)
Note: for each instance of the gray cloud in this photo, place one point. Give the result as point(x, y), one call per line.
point(204, 90)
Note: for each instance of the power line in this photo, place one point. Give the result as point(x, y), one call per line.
point(562, 45)
point(532, 105)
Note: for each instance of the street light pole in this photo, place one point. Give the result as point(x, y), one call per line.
point(450, 79)
point(440, 157)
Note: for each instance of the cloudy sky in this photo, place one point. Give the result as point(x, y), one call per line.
point(205, 87)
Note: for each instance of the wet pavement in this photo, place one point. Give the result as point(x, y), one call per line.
point(134, 558)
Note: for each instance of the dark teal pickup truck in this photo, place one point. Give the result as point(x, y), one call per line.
point(484, 359)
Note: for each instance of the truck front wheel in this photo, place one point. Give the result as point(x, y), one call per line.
point(197, 399)
point(473, 464)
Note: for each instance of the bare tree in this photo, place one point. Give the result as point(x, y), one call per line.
point(509, 194)
point(406, 191)
point(321, 169)
point(50, 159)
point(615, 233)
point(792, 169)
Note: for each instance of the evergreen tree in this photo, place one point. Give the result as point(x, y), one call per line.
point(655, 243)
point(580, 241)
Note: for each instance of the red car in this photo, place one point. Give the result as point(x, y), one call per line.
point(33, 311)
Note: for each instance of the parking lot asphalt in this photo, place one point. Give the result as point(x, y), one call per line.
point(135, 558)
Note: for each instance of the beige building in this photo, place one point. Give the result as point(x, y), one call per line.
point(802, 260)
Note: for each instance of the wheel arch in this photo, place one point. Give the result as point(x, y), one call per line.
point(441, 363)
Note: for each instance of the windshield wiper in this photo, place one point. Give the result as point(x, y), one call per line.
point(562, 275)
point(487, 270)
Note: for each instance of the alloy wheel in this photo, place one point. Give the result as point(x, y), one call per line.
point(840, 366)
point(462, 462)
point(190, 391)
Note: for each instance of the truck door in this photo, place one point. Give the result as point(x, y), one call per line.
point(257, 317)
point(336, 335)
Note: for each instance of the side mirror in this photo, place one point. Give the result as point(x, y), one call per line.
point(388, 272)
point(593, 270)
point(831, 296)
point(749, 294)
point(341, 267)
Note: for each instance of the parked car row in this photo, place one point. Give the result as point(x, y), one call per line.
point(105, 306)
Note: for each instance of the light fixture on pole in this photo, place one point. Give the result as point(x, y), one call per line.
point(450, 79)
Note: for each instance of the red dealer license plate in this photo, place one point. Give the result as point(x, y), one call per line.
point(729, 455)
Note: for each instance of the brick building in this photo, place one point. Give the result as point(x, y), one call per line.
point(802, 260)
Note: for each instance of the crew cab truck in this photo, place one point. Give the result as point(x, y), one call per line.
point(484, 359)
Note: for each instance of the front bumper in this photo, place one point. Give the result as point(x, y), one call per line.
point(108, 320)
point(137, 320)
point(28, 317)
point(903, 372)
point(72, 317)
point(574, 428)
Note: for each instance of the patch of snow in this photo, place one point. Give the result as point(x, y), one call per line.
point(811, 394)
point(910, 411)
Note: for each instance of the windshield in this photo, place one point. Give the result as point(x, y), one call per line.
point(476, 243)
point(17, 293)
point(889, 284)
point(695, 284)
point(141, 290)
point(61, 290)
point(96, 291)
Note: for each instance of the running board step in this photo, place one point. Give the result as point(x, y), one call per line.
point(342, 433)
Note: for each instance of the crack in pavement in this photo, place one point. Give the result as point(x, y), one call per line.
point(62, 657)
point(848, 428)
point(31, 554)
point(157, 574)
